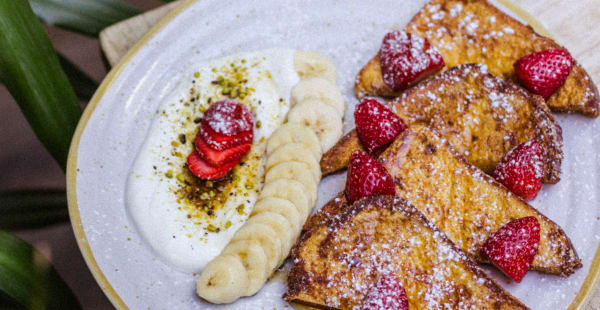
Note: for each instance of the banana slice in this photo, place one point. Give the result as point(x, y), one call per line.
point(254, 260)
point(295, 152)
point(321, 118)
point(295, 133)
point(290, 190)
point(223, 280)
point(309, 64)
point(282, 207)
point(267, 238)
point(285, 230)
point(293, 170)
point(320, 89)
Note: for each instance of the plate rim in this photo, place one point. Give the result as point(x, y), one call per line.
point(578, 302)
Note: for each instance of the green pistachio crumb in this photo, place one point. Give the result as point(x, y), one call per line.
point(169, 174)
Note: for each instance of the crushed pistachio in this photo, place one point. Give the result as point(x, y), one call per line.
point(169, 174)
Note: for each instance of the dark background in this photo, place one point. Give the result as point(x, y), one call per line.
point(25, 164)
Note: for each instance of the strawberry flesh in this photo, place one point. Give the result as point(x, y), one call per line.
point(218, 158)
point(407, 58)
point(386, 294)
point(221, 142)
point(544, 72)
point(367, 177)
point(521, 170)
point(203, 170)
point(513, 247)
point(227, 124)
point(377, 126)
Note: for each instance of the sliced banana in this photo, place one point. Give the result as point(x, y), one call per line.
point(295, 133)
point(290, 190)
point(267, 238)
point(309, 64)
point(295, 152)
point(293, 170)
point(285, 230)
point(321, 118)
point(254, 259)
point(320, 89)
point(282, 207)
point(223, 280)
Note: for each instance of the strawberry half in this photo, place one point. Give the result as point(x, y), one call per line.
point(520, 170)
point(218, 158)
point(544, 72)
point(513, 247)
point(205, 171)
point(407, 58)
point(227, 124)
point(377, 125)
point(386, 294)
point(367, 177)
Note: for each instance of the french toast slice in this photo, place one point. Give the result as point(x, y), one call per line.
point(465, 203)
point(339, 259)
point(483, 117)
point(475, 31)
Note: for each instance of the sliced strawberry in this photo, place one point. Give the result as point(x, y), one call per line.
point(386, 294)
point(221, 142)
point(407, 58)
point(377, 125)
point(203, 170)
point(513, 247)
point(227, 124)
point(544, 72)
point(367, 177)
point(521, 170)
point(218, 158)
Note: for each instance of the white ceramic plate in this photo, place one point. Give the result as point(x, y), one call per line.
point(349, 32)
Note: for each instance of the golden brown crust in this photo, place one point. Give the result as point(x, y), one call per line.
point(338, 156)
point(484, 117)
point(464, 202)
point(369, 81)
point(341, 256)
point(474, 31)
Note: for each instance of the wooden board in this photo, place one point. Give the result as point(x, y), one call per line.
point(571, 23)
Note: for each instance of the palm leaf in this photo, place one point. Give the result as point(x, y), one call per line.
point(32, 208)
point(28, 280)
point(84, 16)
point(30, 70)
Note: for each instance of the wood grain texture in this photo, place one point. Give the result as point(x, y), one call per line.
point(571, 23)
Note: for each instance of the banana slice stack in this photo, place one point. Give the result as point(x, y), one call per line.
point(294, 150)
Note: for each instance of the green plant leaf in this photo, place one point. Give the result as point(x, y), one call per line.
point(85, 16)
point(83, 85)
point(32, 208)
point(30, 70)
point(28, 279)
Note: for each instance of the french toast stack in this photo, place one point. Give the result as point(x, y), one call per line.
point(452, 205)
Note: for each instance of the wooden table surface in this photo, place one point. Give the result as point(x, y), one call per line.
point(573, 24)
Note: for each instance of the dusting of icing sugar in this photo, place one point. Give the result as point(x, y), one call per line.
point(385, 237)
